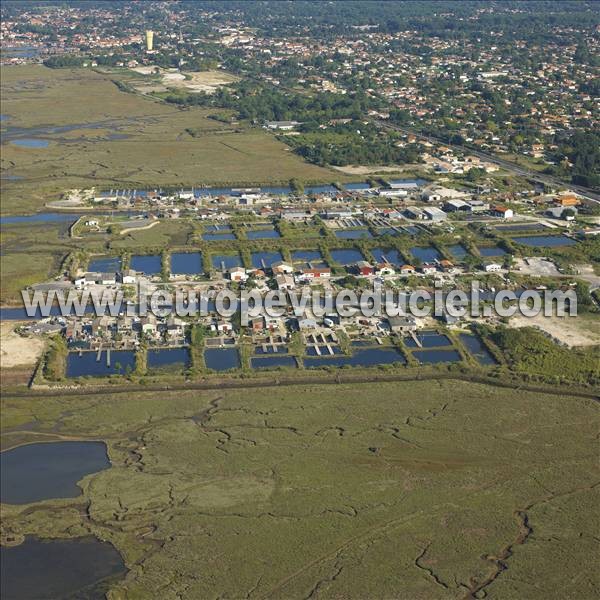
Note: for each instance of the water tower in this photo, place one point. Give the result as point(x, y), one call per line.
point(149, 40)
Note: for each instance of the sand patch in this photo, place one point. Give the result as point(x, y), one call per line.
point(369, 169)
point(572, 331)
point(15, 350)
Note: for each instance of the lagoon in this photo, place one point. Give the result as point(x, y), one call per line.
point(475, 346)
point(222, 359)
point(346, 256)
point(168, 357)
point(366, 357)
point(353, 234)
point(30, 143)
point(436, 356)
point(425, 254)
point(105, 264)
point(272, 362)
point(544, 241)
point(86, 365)
point(186, 263)
point(264, 260)
point(148, 264)
point(48, 470)
point(67, 568)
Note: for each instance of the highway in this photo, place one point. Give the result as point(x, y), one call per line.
point(588, 193)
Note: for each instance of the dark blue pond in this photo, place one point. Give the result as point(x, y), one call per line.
point(361, 358)
point(458, 251)
point(489, 251)
point(346, 256)
point(42, 471)
point(427, 254)
point(271, 362)
point(226, 261)
point(545, 241)
point(475, 346)
point(67, 568)
point(353, 234)
point(87, 365)
point(168, 357)
point(30, 143)
point(390, 255)
point(262, 234)
point(222, 359)
point(428, 340)
point(268, 258)
point(105, 264)
point(436, 356)
point(186, 263)
point(149, 264)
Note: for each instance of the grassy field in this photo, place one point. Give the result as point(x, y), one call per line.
point(418, 491)
point(152, 147)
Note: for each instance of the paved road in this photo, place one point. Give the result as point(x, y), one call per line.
point(588, 193)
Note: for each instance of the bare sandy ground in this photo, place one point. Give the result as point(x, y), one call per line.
point(572, 331)
point(200, 81)
point(17, 351)
point(367, 169)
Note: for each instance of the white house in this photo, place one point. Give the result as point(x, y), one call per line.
point(492, 268)
point(238, 274)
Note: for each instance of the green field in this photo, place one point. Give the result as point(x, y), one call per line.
point(153, 147)
point(416, 490)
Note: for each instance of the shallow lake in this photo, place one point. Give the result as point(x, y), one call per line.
point(86, 365)
point(264, 260)
point(75, 568)
point(149, 264)
point(366, 357)
point(544, 241)
point(186, 263)
point(458, 251)
point(271, 362)
point(436, 356)
point(425, 254)
point(262, 234)
point(226, 261)
point(347, 256)
point(30, 143)
point(105, 264)
point(491, 251)
point(428, 340)
point(42, 471)
point(303, 257)
point(222, 359)
point(353, 234)
point(158, 358)
point(475, 346)
point(390, 255)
